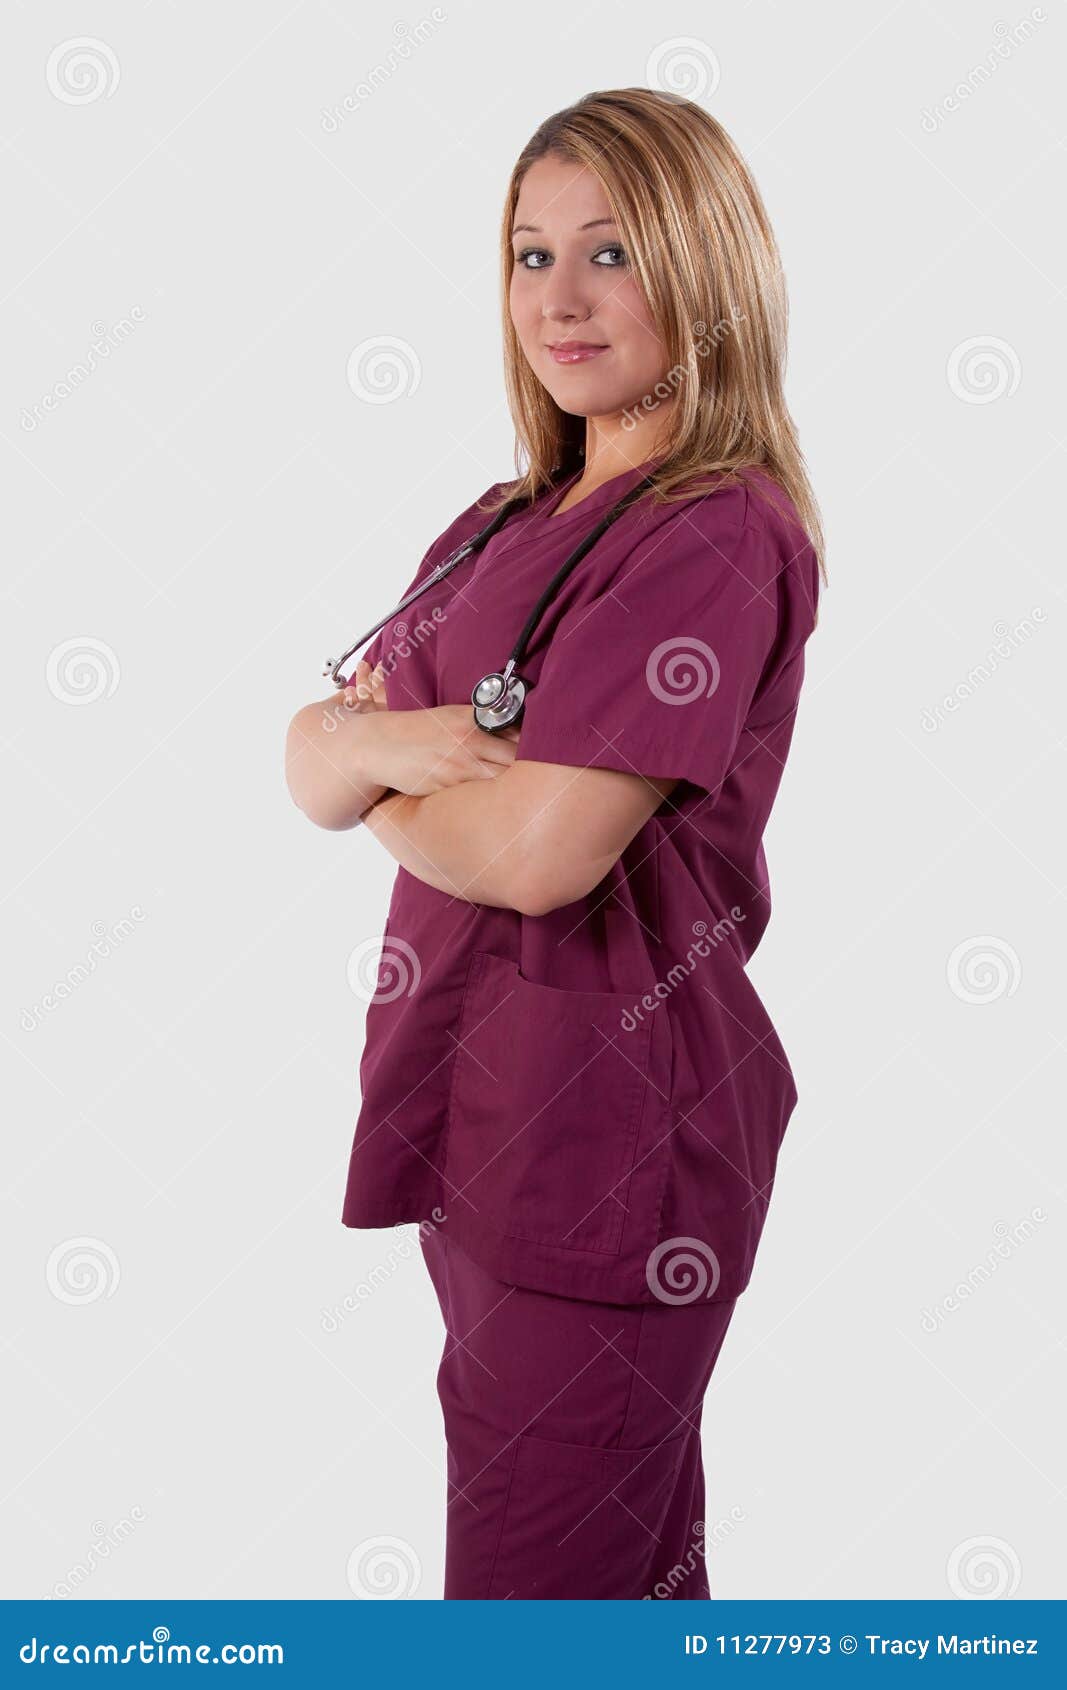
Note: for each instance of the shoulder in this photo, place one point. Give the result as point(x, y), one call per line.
point(463, 527)
point(751, 504)
point(734, 556)
point(693, 537)
point(748, 525)
point(474, 516)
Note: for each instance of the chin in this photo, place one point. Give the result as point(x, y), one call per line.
point(588, 398)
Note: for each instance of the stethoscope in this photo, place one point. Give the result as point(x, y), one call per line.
point(499, 698)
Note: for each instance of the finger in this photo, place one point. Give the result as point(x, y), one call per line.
point(362, 681)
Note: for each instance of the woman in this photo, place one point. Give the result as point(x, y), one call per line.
point(568, 1078)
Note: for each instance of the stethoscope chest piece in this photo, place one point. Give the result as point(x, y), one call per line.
point(499, 700)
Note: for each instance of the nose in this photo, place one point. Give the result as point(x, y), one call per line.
point(562, 300)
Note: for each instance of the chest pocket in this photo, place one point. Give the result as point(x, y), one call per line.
point(544, 1109)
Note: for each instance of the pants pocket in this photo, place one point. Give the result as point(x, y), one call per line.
point(584, 1522)
point(544, 1110)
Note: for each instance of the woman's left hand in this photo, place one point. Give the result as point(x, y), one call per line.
point(366, 689)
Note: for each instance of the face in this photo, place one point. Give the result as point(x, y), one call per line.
point(572, 287)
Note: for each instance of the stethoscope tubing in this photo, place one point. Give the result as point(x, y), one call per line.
point(474, 544)
point(499, 697)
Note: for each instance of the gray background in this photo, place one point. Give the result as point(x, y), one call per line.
point(199, 519)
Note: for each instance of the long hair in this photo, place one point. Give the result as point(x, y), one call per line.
point(703, 253)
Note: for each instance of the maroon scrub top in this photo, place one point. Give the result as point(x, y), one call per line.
point(594, 1099)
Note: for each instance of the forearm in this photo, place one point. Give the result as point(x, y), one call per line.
point(467, 840)
point(333, 763)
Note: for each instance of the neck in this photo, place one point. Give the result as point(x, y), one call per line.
point(611, 449)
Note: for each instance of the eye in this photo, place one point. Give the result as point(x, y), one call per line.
point(608, 258)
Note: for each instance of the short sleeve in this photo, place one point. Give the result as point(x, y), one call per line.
point(657, 672)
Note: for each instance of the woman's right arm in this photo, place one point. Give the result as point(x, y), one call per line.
point(330, 764)
point(344, 752)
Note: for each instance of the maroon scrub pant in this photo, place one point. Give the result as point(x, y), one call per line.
point(573, 1436)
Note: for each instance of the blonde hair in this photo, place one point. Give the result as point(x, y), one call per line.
point(703, 253)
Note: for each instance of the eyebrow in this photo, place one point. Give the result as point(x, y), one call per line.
point(535, 228)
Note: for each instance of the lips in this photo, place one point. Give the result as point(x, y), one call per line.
point(574, 351)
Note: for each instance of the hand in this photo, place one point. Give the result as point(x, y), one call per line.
point(363, 695)
point(422, 751)
point(366, 689)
